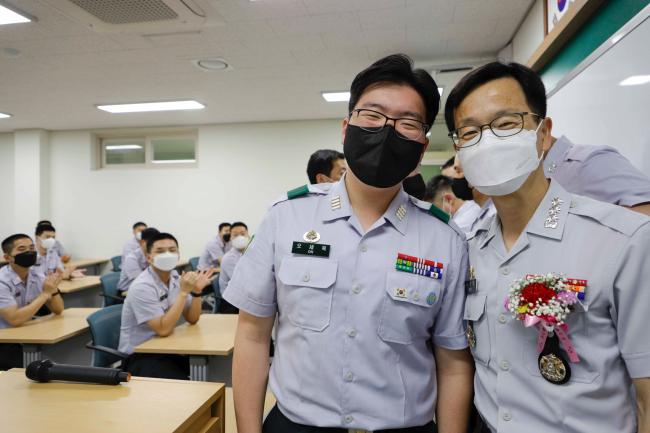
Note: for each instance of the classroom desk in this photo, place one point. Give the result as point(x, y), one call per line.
point(209, 344)
point(48, 331)
point(81, 292)
point(93, 266)
point(141, 405)
point(231, 421)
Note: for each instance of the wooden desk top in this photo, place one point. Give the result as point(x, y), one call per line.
point(231, 421)
point(49, 329)
point(213, 335)
point(79, 264)
point(77, 284)
point(141, 405)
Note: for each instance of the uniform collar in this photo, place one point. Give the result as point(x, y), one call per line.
point(337, 205)
point(172, 278)
point(556, 155)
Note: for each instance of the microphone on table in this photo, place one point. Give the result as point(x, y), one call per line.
point(46, 370)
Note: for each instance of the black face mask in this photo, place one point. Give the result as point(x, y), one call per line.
point(226, 237)
point(380, 159)
point(461, 189)
point(415, 186)
point(26, 259)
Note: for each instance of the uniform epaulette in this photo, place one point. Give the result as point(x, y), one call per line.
point(612, 216)
point(304, 191)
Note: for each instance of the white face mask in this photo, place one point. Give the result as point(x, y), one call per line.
point(500, 165)
point(165, 261)
point(138, 236)
point(48, 243)
point(240, 242)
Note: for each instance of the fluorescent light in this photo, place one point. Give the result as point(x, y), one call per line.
point(124, 147)
point(152, 106)
point(336, 96)
point(440, 90)
point(8, 16)
point(4, 115)
point(174, 161)
point(635, 80)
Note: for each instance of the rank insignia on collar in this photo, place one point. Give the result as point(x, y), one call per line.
point(551, 221)
point(335, 203)
point(400, 212)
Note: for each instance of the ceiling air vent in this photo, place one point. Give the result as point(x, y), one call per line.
point(127, 12)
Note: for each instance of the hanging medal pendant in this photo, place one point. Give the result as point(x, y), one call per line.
point(553, 366)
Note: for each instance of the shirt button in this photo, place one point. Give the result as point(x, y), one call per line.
point(507, 416)
point(502, 319)
point(356, 289)
point(505, 270)
point(352, 333)
point(364, 248)
point(349, 377)
point(505, 365)
point(305, 278)
point(348, 419)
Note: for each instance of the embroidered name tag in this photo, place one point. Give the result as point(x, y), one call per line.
point(307, 249)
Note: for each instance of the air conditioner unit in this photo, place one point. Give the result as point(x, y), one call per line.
point(137, 16)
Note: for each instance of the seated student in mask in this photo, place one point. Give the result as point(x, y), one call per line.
point(23, 291)
point(157, 299)
point(216, 248)
point(48, 259)
point(135, 262)
point(134, 243)
point(240, 239)
point(58, 246)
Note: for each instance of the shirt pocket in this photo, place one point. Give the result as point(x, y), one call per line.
point(308, 287)
point(478, 331)
point(581, 372)
point(408, 309)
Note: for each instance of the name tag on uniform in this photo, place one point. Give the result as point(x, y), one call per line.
point(307, 249)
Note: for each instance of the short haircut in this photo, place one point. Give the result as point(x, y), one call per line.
point(322, 161)
point(238, 224)
point(398, 69)
point(148, 233)
point(436, 185)
point(44, 228)
point(222, 225)
point(449, 163)
point(139, 224)
point(159, 237)
point(44, 222)
point(8, 243)
point(529, 81)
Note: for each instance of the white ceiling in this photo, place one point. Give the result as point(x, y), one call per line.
point(283, 53)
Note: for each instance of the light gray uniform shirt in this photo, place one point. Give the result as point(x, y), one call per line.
point(48, 263)
point(606, 245)
point(59, 249)
point(13, 291)
point(212, 254)
point(228, 263)
point(135, 263)
point(148, 298)
point(354, 335)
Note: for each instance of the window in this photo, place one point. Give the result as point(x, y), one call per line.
point(148, 151)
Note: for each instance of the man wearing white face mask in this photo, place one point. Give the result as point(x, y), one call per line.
point(239, 240)
point(48, 260)
point(558, 296)
point(154, 304)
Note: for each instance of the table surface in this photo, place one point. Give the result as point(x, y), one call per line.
point(77, 284)
point(141, 405)
point(213, 335)
point(231, 421)
point(49, 329)
point(80, 263)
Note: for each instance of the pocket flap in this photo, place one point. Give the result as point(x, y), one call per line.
point(308, 272)
point(474, 307)
point(411, 288)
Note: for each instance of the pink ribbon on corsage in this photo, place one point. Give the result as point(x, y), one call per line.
point(562, 335)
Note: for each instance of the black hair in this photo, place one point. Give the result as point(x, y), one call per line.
point(398, 69)
point(529, 81)
point(435, 185)
point(449, 163)
point(8, 243)
point(322, 161)
point(159, 237)
point(44, 222)
point(222, 225)
point(238, 224)
point(148, 233)
point(138, 224)
point(44, 228)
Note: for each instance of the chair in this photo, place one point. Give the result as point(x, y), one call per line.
point(117, 263)
point(194, 263)
point(217, 295)
point(105, 332)
point(109, 289)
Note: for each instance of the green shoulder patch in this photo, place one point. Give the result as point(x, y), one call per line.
point(439, 213)
point(298, 192)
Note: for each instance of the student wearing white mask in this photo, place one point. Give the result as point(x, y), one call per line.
point(61, 251)
point(239, 241)
point(48, 259)
point(558, 297)
point(156, 300)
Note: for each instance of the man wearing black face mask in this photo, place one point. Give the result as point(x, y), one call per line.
point(23, 291)
point(367, 284)
point(216, 248)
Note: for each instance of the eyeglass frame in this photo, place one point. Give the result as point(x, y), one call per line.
point(489, 125)
point(425, 126)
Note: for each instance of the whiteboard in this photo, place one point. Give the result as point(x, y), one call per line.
point(590, 107)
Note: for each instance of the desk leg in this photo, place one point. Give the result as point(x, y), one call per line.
point(199, 368)
point(31, 353)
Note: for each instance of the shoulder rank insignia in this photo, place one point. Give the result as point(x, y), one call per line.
point(439, 213)
point(298, 192)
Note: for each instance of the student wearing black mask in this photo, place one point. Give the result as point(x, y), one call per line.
point(216, 248)
point(23, 291)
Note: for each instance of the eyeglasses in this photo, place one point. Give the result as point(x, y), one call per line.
point(503, 126)
point(374, 121)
